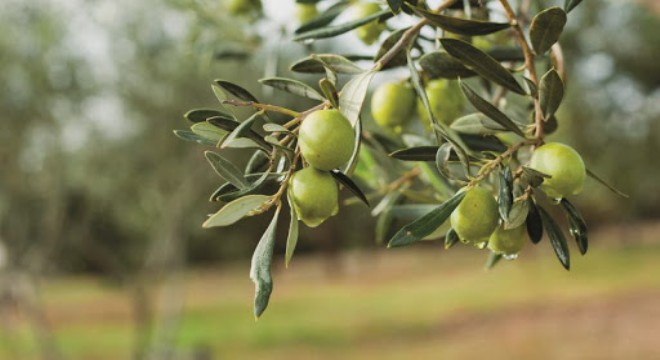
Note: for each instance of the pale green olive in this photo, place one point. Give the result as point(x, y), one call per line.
point(445, 99)
point(392, 105)
point(476, 217)
point(306, 12)
point(564, 165)
point(326, 139)
point(242, 7)
point(369, 32)
point(314, 195)
point(508, 242)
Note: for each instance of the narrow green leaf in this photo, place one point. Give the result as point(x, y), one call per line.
point(505, 198)
point(317, 64)
point(476, 124)
point(208, 131)
point(332, 31)
point(534, 223)
point(350, 185)
point(272, 127)
point(293, 86)
point(490, 110)
point(392, 39)
point(517, 214)
point(235, 90)
point(462, 26)
point(483, 142)
point(533, 177)
point(395, 5)
point(191, 136)
point(236, 210)
point(546, 28)
point(329, 91)
point(419, 153)
point(493, 259)
point(226, 169)
point(353, 94)
point(557, 238)
point(551, 93)
point(357, 145)
point(200, 115)
point(451, 238)
point(571, 4)
point(442, 65)
point(426, 224)
point(250, 189)
point(292, 236)
point(262, 259)
point(481, 63)
point(242, 130)
point(442, 157)
point(231, 125)
point(324, 18)
point(577, 225)
point(604, 183)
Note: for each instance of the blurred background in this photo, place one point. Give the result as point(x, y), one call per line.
point(102, 254)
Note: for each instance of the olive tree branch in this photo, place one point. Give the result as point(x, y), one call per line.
point(260, 106)
point(492, 164)
point(529, 64)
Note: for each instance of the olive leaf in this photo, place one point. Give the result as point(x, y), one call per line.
point(481, 63)
point(245, 128)
point(426, 224)
point(350, 185)
point(262, 259)
point(318, 63)
point(571, 4)
point(332, 31)
point(517, 215)
point(329, 91)
point(392, 39)
point(292, 235)
point(505, 198)
point(419, 153)
point(534, 223)
point(556, 237)
point(324, 18)
point(201, 115)
point(460, 26)
point(230, 195)
point(293, 86)
point(231, 125)
point(577, 225)
point(490, 110)
point(236, 210)
point(546, 27)
point(272, 127)
point(191, 136)
point(235, 90)
point(551, 93)
point(352, 95)
point(493, 259)
point(208, 131)
point(476, 124)
point(226, 169)
point(395, 5)
point(442, 65)
point(604, 183)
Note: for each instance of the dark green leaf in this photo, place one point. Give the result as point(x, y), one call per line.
point(426, 224)
point(329, 91)
point(420, 153)
point(493, 259)
point(462, 26)
point(236, 210)
point(400, 58)
point(533, 177)
point(481, 63)
point(577, 225)
point(262, 260)
point(317, 63)
point(534, 223)
point(226, 169)
point(235, 90)
point(242, 130)
point(505, 198)
point(254, 187)
point(331, 31)
point(451, 238)
point(476, 124)
point(557, 238)
point(442, 65)
point(352, 95)
point(324, 18)
point(395, 5)
point(231, 125)
point(483, 142)
point(208, 131)
point(490, 110)
point(546, 28)
point(350, 185)
point(571, 4)
point(604, 183)
point(292, 236)
point(551, 93)
point(191, 136)
point(293, 86)
point(201, 115)
point(517, 214)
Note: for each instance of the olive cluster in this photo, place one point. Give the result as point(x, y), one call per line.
point(326, 142)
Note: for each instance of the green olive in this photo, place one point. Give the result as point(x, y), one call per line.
point(446, 101)
point(476, 217)
point(508, 242)
point(564, 165)
point(242, 7)
point(314, 196)
point(392, 105)
point(326, 139)
point(369, 32)
point(306, 12)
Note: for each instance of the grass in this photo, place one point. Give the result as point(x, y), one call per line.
point(387, 305)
